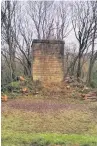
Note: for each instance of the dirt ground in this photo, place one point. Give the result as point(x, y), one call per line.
point(50, 106)
point(44, 105)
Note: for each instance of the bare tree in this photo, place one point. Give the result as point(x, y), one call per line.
point(62, 20)
point(25, 47)
point(7, 25)
point(70, 59)
point(22, 39)
point(83, 25)
point(93, 40)
point(41, 15)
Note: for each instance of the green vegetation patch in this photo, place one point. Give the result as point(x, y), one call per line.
point(13, 86)
point(14, 138)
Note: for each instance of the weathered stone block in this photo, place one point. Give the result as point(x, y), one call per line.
point(48, 60)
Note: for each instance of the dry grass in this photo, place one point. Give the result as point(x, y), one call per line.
point(49, 116)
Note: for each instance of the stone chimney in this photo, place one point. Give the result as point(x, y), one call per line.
point(48, 60)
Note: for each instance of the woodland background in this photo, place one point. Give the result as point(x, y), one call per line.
point(73, 22)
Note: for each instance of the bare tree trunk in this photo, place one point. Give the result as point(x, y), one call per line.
point(92, 57)
point(79, 66)
point(70, 69)
point(7, 31)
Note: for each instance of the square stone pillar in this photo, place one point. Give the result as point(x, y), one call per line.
point(48, 60)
